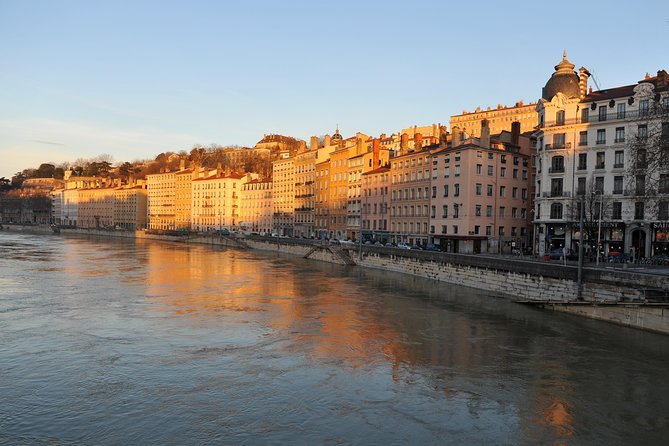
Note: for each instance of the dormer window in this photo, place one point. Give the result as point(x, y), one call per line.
point(559, 117)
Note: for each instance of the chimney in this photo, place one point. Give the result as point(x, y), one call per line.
point(182, 164)
point(359, 146)
point(326, 140)
point(418, 142)
point(515, 132)
point(376, 150)
point(303, 146)
point(456, 138)
point(583, 76)
point(404, 142)
point(485, 134)
point(313, 145)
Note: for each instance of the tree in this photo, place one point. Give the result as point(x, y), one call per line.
point(598, 208)
point(647, 150)
point(45, 170)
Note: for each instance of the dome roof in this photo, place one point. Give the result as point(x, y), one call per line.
point(564, 80)
point(337, 136)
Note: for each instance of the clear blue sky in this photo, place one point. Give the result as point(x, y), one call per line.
point(136, 78)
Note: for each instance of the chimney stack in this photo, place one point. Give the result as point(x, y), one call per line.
point(182, 164)
point(418, 142)
point(456, 138)
point(515, 132)
point(376, 150)
point(485, 134)
point(583, 75)
point(404, 142)
point(314, 143)
point(326, 140)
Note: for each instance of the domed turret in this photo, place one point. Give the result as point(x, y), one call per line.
point(337, 136)
point(564, 80)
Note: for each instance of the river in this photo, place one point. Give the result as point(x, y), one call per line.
point(108, 342)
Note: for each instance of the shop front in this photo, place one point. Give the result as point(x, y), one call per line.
point(659, 238)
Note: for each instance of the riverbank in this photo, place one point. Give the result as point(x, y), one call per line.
point(620, 296)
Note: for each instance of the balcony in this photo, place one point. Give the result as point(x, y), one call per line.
point(558, 146)
point(618, 140)
point(556, 169)
point(618, 166)
point(601, 141)
point(628, 114)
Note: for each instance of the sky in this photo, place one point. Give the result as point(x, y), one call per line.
point(136, 78)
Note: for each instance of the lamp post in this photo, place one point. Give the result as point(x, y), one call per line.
point(599, 226)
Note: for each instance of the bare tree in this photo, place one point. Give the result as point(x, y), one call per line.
point(647, 149)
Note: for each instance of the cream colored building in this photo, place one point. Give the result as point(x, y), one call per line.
point(161, 196)
point(183, 180)
point(321, 219)
point(216, 199)
point(283, 195)
point(130, 207)
point(499, 119)
point(96, 208)
point(256, 206)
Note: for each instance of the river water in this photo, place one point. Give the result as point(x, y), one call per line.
point(149, 343)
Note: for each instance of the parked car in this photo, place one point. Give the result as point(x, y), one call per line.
point(402, 245)
point(432, 247)
point(559, 253)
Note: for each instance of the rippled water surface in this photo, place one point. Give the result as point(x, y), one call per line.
point(123, 342)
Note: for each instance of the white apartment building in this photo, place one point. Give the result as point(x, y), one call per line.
point(603, 149)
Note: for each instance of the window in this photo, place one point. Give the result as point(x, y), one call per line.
point(434, 191)
point(502, 191)
point(601, 136)
point(444, 211)
point(556, 187)
point(620, 111)
point(514, 192)
point(638, 210)
point(502, 211)
point(640, 184)
point(456, 192)
point(583, 138)
point(580, 187)
point(445, 190)
point(617, 210)
point(585, 115)
point(619, 160)
point(477, 229)
point(479, 188)
point(602, 112)
point(457, 170)
point(644, 107)
point(620, 134)
point(501, 231)
point(515, 174)
point(558, 141)
point(663, 210)
point(455, 229)
point(600, 160)
point(582, 161)
point(433, 211)
point(618, 185)
point(479, 169)
point(665, 103)
point(489, 190)
point(490, 171)
point(599, 185)
point(559, 117)
point(490, 156)
point(503, 159)
point(503, 171)
point(488, 230)
point(641, 161)
point(664, 183)
point(642, 131)
point(557, 164)
point(447, 172)
point(478, 210)
point(523, 194)
point(514, 212)
point(488, 211)
point(444, 229)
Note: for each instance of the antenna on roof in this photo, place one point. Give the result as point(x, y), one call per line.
point(594, 79)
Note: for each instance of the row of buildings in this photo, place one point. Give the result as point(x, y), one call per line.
point(521, 176)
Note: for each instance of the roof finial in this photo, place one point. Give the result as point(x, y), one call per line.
point(564, 55)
